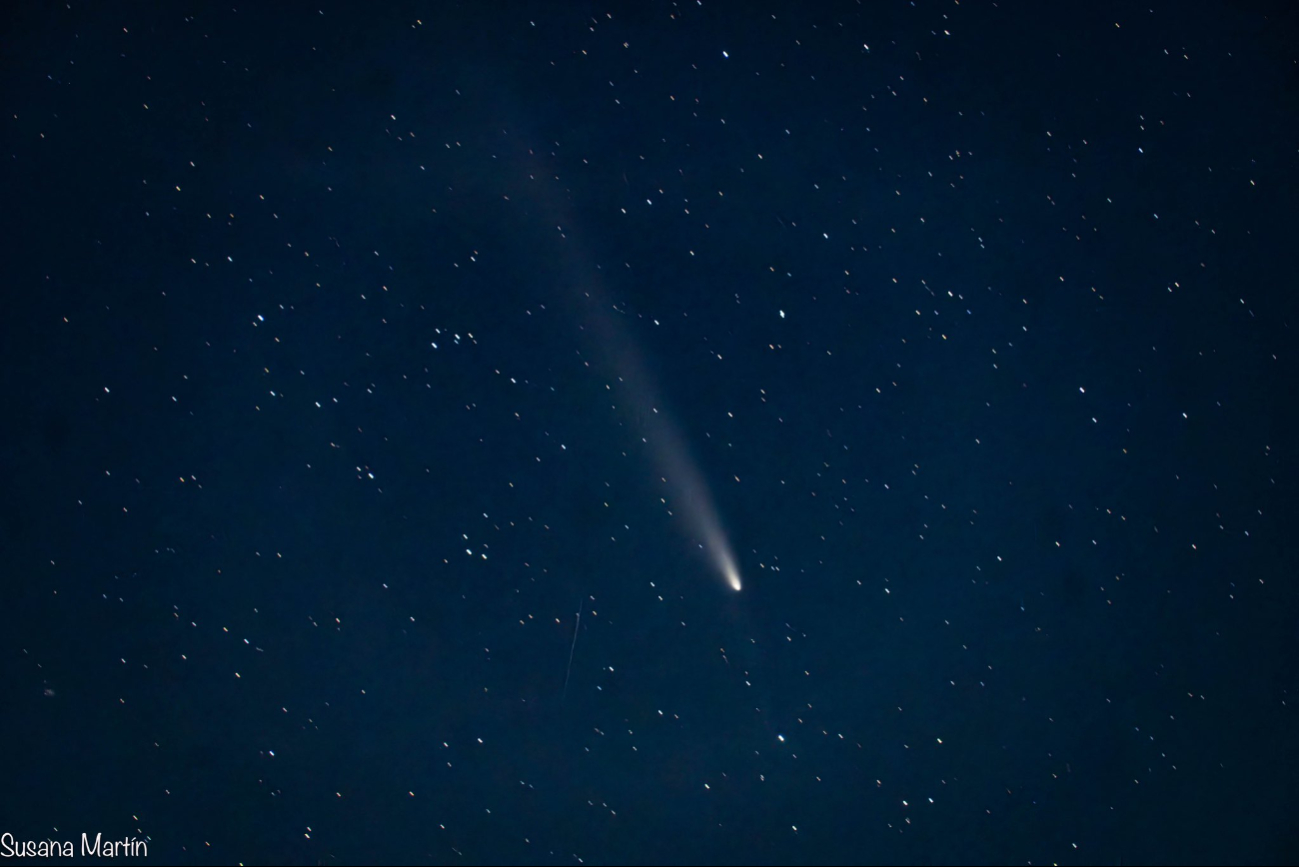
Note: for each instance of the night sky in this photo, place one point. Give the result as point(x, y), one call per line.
point(393, 396)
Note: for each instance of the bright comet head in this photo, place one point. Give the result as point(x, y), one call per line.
point(720, 551)
point(729, 572)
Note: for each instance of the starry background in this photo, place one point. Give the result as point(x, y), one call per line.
point(318, 430)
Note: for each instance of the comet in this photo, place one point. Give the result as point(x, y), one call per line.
point(700, 512)
point(692, 493)
point(729, 572)
point(689, 493)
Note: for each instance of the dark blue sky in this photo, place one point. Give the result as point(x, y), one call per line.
point(349, 351)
